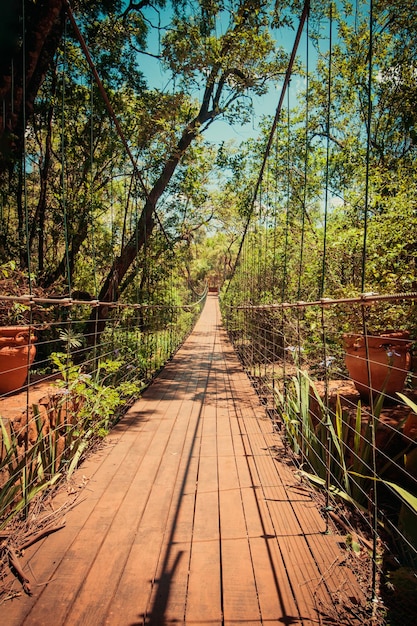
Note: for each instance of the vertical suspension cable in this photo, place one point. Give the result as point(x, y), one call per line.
point(287, 214)
point(328, 116)
point(115, 313)
point(24, 171)
point(259, 245)
point(64, 198)
point(138, 312)
point(24, 181)
point(93, 246)
point(364, 321)
point(324, 268)
point(148, 312)
point(91, 221)
point(286, 233)
point(266, 325)
point(173, 313)
point(239, 316)
point(300, 311)
point(275, 221)
point(304, 202)
point(274, 258)
point(368, 147)
point(63, 162)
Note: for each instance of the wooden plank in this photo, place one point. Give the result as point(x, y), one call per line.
point(44, 559)
point(240, 595)
point(169, 595)
point(157, 568)
point(167, 591)
point(296, 558)
point(276, 598)
point(143, 474)
point(240, 601)
point(105, 572)
point(189, 517)
point(205, 599)
point(325, 554)
point(91, 564)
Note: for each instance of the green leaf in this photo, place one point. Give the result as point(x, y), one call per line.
point(407, 401)
point(29, 497)
point(335, 491)
point(408, 497)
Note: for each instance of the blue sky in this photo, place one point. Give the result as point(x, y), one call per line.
point(263, 105)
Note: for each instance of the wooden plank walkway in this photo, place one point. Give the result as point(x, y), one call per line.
point(188, 516)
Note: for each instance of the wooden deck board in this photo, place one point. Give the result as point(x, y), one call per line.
point(188, 515)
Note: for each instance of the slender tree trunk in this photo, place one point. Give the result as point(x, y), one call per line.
point(146, 223)
point(75, 244)
point(23, 257)
point(38, 223)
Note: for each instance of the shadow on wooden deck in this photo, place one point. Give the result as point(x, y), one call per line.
point(189, 516)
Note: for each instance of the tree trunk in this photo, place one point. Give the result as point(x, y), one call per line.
point(38, 223)
point(43, 25)
point(62, 269)
point(110, 289)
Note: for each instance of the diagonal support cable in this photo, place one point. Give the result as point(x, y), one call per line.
point(104, 95)
point(287, 79)
point(110, 110)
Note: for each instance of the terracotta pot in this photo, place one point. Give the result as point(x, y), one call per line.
point(389, 361)
point(17, 353)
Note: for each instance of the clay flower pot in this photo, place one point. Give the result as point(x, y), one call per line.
point(17, 353)
point(389, 361)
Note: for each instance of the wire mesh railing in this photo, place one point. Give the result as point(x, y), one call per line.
point(351, 432)
point(59, 396)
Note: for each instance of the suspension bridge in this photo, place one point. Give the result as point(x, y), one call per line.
point(191, 514)
point(198, 507)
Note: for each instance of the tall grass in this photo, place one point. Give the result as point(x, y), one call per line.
point(335, 449)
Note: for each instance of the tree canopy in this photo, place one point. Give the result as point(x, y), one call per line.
point(96, 160)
